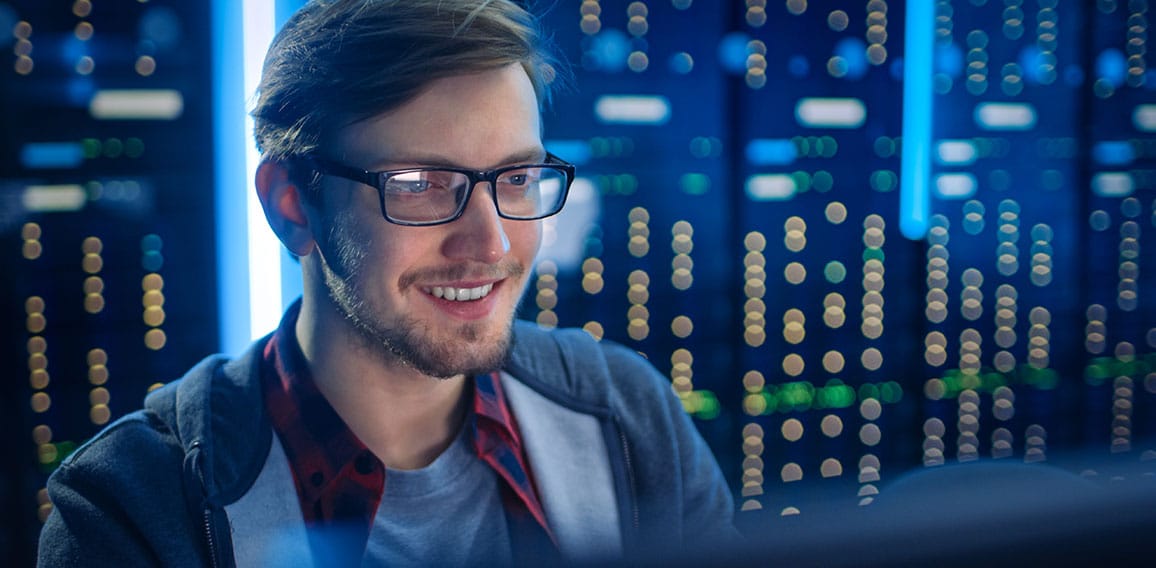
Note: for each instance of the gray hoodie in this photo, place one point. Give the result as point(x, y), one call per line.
point(193, 478)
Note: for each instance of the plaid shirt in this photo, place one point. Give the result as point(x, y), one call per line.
point(339, 480)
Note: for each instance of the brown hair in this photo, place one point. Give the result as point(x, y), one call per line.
point(336, 62)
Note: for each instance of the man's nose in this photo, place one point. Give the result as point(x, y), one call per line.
point(478, 234)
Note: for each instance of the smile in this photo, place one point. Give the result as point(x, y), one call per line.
point(460, 294)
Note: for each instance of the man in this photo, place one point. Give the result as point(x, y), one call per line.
point(398, 415)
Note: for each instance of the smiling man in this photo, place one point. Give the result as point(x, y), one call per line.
point(399, 414)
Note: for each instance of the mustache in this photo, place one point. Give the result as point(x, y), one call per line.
point(507, 268)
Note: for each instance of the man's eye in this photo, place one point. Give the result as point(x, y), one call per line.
point(518, 179)
point(407, 186)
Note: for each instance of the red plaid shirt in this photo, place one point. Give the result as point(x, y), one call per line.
point(339, 480)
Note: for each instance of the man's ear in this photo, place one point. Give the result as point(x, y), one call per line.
point(284, 207)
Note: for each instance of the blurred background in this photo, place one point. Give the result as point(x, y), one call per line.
point(864, 239)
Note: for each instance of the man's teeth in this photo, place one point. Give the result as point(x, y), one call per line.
point(461, 294)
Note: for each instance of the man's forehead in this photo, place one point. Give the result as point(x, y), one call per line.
point(471, 120)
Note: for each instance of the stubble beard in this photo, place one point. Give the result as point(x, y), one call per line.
point(399, 339)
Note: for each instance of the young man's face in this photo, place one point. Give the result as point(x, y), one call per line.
point(384, 277)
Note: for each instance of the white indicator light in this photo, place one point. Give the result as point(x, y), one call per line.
point(1113, 184)
point(1005, 116)
point(53, 198)
point(140, 104)
point(831, 113)
point(955, 186)
point(956, 152)
point(632, 109)
point(771, 187)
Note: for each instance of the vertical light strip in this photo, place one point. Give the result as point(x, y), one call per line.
point(915, 170)
point(248, 254)
point(264, 248)
point(231, 186)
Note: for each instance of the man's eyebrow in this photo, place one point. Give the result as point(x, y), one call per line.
point(530, 155)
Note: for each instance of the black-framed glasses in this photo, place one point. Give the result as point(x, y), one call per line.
point(437, 195)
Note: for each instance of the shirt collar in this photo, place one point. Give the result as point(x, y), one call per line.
point(318, 441)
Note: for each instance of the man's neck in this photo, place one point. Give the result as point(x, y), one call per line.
point(403, 416)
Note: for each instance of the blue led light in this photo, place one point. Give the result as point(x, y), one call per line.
point(733, 52)
point(1113, 153)
point(949, 60)
point(51, 155)
point(162, 26)
point(915, 171)
point(72, 49)
point(854, 54)
point(798, 66)
point(576, 152)
point(1032, 60)
point(608, 51)
point(681, 63)
point(771, 151)
point(1112, 67)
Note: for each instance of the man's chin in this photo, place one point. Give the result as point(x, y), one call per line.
point(473, 364)
point(468, 349)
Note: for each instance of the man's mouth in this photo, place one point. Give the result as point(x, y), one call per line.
point(454, 294)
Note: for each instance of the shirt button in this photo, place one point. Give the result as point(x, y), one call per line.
point(364, 463)
point(316, 479)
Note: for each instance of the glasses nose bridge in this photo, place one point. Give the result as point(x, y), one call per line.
point(489, 178)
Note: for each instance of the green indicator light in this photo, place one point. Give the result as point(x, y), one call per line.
point(1098, 371)
point(133, 147)
point(772, 402)
point(708, 408)
point(151, 242)
point(802, 181)
point(891, 392)
point(629, 184)
point(694, 183)
point(91, 147)
point(838, 395)
point(835, 272)
point(823, 181)
point(829, 147)
point(883, 181)
point(113, 148)
point(63, 449)
point(797, 396)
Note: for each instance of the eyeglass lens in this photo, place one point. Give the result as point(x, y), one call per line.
point(436, 195)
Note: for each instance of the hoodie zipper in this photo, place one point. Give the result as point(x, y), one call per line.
point(209, 537)
point(630, 478)
point(207, 512)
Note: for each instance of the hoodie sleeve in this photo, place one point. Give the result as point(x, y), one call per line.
point(118, 501)
point(680, 484)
